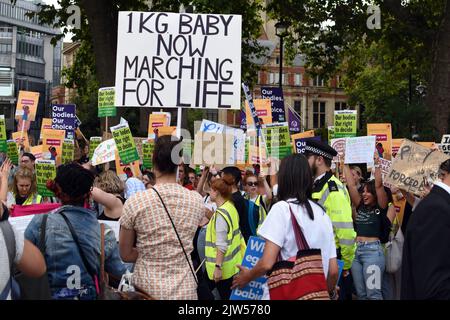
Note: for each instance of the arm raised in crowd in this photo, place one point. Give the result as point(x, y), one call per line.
point(267, 188)
point(113, 205)
point(351, 184)
point(4, 172)
point(202, 181)
point(381, 192)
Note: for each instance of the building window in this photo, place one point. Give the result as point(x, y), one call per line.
point(298, 106)
point(318, 81)
point(212, 115)
point(271, 78)
point(298, 79)
point(277, 60)
point(340, 106)
point(318, 114)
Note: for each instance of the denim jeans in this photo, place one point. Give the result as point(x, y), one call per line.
point(368, 269)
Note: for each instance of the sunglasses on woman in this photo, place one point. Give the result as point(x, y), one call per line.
point(252, 184)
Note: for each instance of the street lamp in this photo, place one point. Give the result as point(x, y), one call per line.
point(281, 30)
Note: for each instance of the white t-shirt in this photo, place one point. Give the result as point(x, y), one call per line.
point(278, 229)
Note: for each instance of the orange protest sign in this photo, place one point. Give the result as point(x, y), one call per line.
point(21, 138)
point(46, 124)
point(263, 108)
point(166, 131)
point(37, 151)
point(26, 108)
point(426, 144)
point(383, 134)
point(125, 171)
point(396, 143)
point(301, 135)
point(52, 141)
point(157, 120)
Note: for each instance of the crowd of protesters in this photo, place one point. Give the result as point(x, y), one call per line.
point(183, 233)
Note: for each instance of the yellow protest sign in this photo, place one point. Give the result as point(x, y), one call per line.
point(52, 141)
point(21, 138)
point(37, 151)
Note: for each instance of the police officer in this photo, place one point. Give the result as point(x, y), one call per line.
point(331, 194)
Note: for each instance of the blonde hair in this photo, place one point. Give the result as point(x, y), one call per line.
point(109, 182)
point(24, 173)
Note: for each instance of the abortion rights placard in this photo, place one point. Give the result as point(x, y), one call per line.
point(68, 150)
point(125, 143)
point(345, 123)
point(254, 290)
point(178, 60)
point(106, 107)
point(45, 170)
point(3, 138)
point(63, 118)
point(276, 97)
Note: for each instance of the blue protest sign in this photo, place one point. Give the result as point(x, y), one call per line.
point(255, 289)
point(64, 118)
point(300, 144)
point(275, 95)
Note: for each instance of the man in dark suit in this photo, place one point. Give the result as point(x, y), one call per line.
point(426, 255)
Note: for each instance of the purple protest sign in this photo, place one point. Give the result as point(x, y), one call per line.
point(276, 97)
point(63, 118)
point(300, 144)
point(294, 122)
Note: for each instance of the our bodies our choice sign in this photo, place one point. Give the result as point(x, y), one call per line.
point(178, 60)
point(254, 290)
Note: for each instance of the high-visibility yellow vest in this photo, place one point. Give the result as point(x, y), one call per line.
point(233, 256)
point(334, 197)
point(32, 199)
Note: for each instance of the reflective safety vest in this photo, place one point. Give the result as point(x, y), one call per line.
point(331, 194)
point(32, 199)
point(262, 214)
point(233, 256)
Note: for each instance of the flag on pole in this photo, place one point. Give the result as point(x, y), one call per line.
point(294, 120)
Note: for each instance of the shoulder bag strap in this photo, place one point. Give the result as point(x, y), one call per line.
point(42, 234)
point(178, 236)
point(10, 241)
point(88, 267)
point(302, 244)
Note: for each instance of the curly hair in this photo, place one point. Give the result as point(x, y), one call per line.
point(24, 173)
point(109, 182)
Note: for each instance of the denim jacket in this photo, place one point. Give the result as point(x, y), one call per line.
point(68, 277)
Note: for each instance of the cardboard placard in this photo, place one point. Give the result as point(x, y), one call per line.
point(445, 144)
point(414, 166)
point(396, 143)
point(171, 60)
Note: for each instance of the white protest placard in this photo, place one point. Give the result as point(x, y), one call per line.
point(238, 144)
point(211, 126)
point(445, 144)
point(360, 149)
point(414, 166)
point(105, 152)
point(178, 60)
point(385, 167)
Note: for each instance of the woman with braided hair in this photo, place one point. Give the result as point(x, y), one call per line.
point(72, 238)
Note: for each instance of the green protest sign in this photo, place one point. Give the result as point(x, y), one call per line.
point(106, 107)
point(68, 149)
point(93, 144)
point(345, 123)
point(125, 143)
point(330, 133)
point(278, 141)
point(12, 152)
point(3, 146)
point(45, 170)
point(147, 153)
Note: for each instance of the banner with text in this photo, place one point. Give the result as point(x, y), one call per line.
point(106, 107)
point(178, 60)
point(414, 167)
point(63, 118)
point(275, 94)
point(45, 171)
point(125, 143)
point(345, 123)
